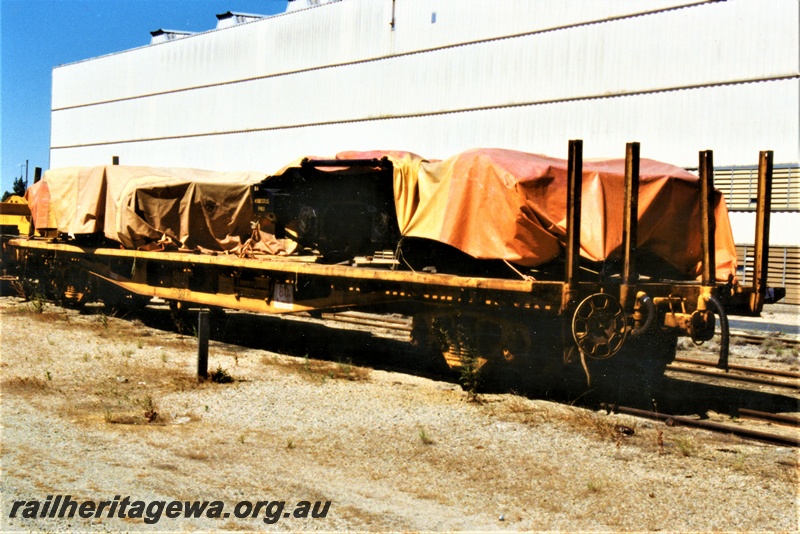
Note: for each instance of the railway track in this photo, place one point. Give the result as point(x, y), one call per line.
point(373, 320)
point(753, 338)
point(739, 373)
point(731, 429)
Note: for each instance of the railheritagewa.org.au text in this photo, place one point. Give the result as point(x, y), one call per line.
point(151, 512)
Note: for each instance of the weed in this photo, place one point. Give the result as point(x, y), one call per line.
point(147, 404)
point(459, 342)
point(685, 446)
point(594, 486)
point(241, 439)
point(290, 444)
point(103, 319)
point(739, 462)
point(139, 344)
point(127, 353)
point(164, 357)
point(19, 289)
point(424, 437)
point(50, 342)
point(48, 376)
point(220, 376)
point(37, 303)
point(770, 345)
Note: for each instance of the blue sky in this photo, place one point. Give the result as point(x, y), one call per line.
point(37, 35)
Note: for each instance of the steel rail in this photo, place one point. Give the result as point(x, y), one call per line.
point(738, 378)
point(767, 416)
point(386, 325)
point(753, 339)
point(708, 425)
point(774, 372)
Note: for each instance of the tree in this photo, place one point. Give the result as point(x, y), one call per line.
point(17, 189)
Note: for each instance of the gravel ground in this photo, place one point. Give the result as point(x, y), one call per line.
point(97, 407)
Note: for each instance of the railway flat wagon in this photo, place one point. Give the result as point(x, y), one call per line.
point(531, 267)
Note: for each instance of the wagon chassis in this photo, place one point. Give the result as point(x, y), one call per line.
point(575, 317)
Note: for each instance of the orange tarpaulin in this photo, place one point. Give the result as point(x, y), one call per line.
point(508, 205)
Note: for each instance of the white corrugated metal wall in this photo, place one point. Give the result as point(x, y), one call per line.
point(678, 76)
point(709, 75)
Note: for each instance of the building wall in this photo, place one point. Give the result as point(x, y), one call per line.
point(677, 76)
point(718, 72)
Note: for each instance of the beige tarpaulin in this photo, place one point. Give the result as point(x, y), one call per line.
point(503, 204)
point(137, 206)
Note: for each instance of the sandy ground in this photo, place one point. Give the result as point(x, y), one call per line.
point(97, 407)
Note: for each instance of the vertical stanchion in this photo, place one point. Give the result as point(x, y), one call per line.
point(761, 252)
point(574, 184)
point(707, 222)
point(630, 224)
point(202, 344)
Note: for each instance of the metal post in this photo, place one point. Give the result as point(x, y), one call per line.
point(630, 224)
point(707, 221)
point(574, 184)
point(202, 344)
point(761, 252)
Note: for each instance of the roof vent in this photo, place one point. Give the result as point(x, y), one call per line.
point(230, 18)
point(162, 36)
point(297, 5)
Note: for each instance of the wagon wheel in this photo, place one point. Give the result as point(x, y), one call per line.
point(599, 326)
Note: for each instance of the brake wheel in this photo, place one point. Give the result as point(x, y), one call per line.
point(599, 326)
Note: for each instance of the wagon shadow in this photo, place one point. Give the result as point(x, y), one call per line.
point(687, 397)
point(306, 338)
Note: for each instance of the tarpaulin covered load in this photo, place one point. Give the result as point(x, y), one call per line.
point(508, 205)
point(138, 206)
point(488, 203)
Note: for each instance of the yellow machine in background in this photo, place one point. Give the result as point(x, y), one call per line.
point(15, 216)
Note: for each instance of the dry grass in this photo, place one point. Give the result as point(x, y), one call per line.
point(319, 370)
point(519, 409)
point(22, 385)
